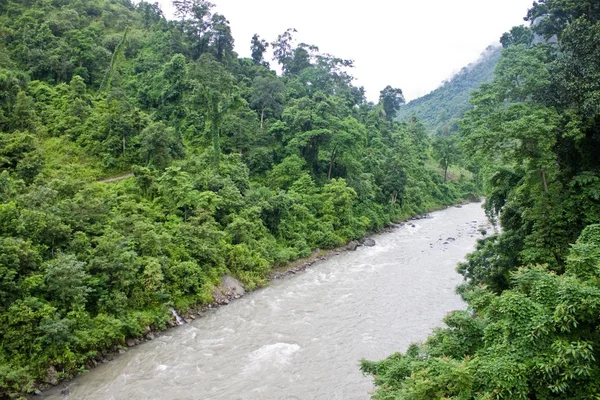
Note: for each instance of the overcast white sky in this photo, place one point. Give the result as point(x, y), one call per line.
point(410, 44)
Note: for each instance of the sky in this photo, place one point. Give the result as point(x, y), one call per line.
point(410, 44)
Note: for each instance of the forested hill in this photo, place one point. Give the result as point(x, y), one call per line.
point(446, 105)
point(224, 167)
point(532, 327)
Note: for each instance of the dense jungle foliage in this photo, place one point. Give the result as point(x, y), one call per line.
point(444, 107)
point(532, 327)
point(219, 166)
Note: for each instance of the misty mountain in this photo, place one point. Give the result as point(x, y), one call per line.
point(447, 104)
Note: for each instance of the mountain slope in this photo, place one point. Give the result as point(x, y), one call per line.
point(448, 103)
point(235, 170)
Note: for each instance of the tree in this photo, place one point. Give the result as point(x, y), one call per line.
point(517, 35)
point(221, 39)
point(23, 113)
point(177, 86)
point(445, 149)
point(159, 145)
point(346, 142)
point(301, 58)
point(183, 8)
point(66, 282)
point(391, 99)
point(552, 17)
point(151, 12)
point(394, 181)
point(219, 96)
point(196, 23)
point(283, 48)
point(14, 148)
point(258, 47)
point(267, 94)
point(18, 259)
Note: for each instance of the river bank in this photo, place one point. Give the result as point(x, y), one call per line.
point(303, 337)
point(230, 290)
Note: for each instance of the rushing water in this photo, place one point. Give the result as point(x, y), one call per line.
point(301, 337)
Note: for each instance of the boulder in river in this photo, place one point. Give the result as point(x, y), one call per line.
point(369, 242)
point(352, 245)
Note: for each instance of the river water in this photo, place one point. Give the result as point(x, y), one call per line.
point(301, 338)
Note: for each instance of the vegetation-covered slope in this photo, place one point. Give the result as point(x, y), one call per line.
point(446, 105)
point(532, 328)
point(234, 170)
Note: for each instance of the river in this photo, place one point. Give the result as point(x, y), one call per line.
point(301, 338)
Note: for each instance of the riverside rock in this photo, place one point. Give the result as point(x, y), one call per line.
point(51, 377)
point(352, 245)
point(228, 289)
point(369, 242)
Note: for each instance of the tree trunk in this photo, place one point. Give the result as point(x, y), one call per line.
point(123, 140)
point(445, 174)
point(216, 147)
point(544, 181)
point(262, 117)
point(331, 162)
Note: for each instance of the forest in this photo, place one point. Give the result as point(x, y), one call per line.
point(532, 326)
point(141, 159)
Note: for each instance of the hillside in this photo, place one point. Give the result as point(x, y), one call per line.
point(141, 159)
point(532, 326)
point(447, 104)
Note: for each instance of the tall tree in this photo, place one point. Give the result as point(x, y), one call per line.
point(221, 39)
point(517, 35)
point(218, 95)
point(267, 94)
point(445, 150)
point(391, 99)
point(283, 48)
point(258, 47)
point(159, 145)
